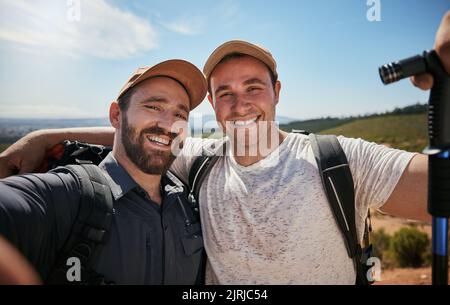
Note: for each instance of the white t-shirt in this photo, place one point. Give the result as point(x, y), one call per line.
point(271, 223)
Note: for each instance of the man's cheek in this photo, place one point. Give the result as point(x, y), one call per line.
point(181, 128)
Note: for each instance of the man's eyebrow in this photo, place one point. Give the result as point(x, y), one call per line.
point(160, 99)
point(183, 107)
point(250, 81)
point(221, 88)
point(154, 99)
point(253, 81)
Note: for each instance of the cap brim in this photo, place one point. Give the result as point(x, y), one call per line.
point(183, 71)
point(242, 47)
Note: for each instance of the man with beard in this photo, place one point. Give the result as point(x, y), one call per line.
point(265, 216)
point(155, 236)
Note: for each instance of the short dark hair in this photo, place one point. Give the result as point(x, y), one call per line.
point(273, 77)
point(124, 100)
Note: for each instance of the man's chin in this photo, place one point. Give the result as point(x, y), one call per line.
point(157, 165)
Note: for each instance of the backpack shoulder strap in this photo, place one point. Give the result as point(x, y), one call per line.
point(338, 183)
point(202, 166)
point(339, 188)
point(91, 227)
point(199, 170)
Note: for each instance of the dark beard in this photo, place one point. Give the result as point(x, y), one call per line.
point(152, 162)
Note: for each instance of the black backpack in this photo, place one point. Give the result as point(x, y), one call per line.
point(338, 185)
point(93, 221)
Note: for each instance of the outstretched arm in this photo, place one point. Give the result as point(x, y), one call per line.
point(27, 153)
point(409, 199)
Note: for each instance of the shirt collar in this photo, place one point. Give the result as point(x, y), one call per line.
point(118, 178)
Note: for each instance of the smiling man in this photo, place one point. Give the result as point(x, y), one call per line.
point(154, 236)
point(265, 215)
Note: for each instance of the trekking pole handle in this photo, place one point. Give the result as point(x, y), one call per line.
point(438, 149)
point(439, 102)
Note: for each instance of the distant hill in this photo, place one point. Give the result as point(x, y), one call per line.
point(407, 132)
point(404, 128)
point(13, 129)
point(317, 125)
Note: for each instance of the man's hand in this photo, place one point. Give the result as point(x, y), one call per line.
point(24, 156)
point(442, 47)
point(14, 268)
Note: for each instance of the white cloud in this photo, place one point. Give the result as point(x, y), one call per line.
point(103, 30)
point(185, 26)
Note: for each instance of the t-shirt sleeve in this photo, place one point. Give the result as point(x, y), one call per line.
point(37, 212)
point(192, 148)
point(376, 170)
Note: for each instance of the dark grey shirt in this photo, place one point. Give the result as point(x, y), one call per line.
point(148, 243)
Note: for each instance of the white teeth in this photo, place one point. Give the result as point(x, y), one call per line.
point(244, 123)
point(159, 140)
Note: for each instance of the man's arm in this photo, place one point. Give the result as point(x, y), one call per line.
point(27, 154)
point(409, 198)
point(37, 213)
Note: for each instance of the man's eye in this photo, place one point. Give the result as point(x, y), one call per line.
point(151, 107)
point(226, 94)
point(253, 89)
point(183, 117)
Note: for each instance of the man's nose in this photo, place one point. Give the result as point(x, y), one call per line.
point(240, 105)
point(166, 121)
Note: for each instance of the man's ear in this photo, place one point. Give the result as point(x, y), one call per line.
point(115, 115)
point(211, 100)
point(277, 91)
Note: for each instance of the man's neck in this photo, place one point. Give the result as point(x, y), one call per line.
point(247, 160)
point(151, 184)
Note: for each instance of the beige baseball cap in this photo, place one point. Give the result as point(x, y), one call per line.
point(182, 71)
point(243, 47)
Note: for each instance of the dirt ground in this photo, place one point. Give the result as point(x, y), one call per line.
point(406, 276)
point(401, 276)
point(393, 224)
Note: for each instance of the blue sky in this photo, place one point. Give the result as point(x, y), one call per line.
point(327, 52)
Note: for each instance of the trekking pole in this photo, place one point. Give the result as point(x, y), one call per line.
point(438, 150)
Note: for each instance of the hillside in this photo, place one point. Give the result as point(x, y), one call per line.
point(404, 128)
point(407, 132)
point(320, 124)
point(316, 125)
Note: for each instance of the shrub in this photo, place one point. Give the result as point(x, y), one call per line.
point(410, 247)
point(380, 241)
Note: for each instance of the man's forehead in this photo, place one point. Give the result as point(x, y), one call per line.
point(162, 85)
point(243, 59)
point(249, 67)
point(162, 89)
point(241, 76)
